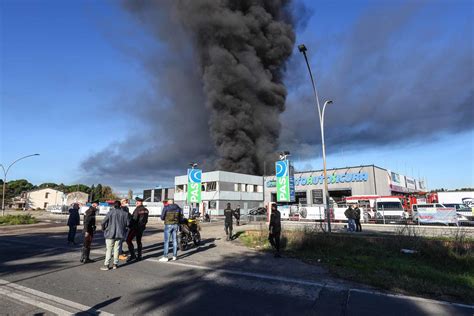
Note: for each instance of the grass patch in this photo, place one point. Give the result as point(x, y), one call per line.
point(17, 219)
point(440, 268)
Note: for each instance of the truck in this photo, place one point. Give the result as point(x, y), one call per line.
point(455, 197)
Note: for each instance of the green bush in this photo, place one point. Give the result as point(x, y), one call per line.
point(17, 219)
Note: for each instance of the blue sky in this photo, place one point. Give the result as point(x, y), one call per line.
point(70, 77)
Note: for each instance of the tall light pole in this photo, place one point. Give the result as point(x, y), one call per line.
point(5, 172)
point(302, 48)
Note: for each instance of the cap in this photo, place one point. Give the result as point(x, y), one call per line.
point(138, 199)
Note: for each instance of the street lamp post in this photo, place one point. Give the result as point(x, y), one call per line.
point(302, 48)
point(5, 172)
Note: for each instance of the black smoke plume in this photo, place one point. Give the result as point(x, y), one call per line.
point(242, 47)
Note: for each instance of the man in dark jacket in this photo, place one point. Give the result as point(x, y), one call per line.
point(350, 214)
point(237, 214)
point(275, 229)
point(357, 218)
point(228, 214)
point(172, 214)
point(72, 222)
point(114, 225)
point(137, 227)
point(89, 230)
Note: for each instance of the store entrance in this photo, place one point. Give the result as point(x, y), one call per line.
point(300, 198)
point(339, 195)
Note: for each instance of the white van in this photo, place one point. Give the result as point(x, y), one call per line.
point(390, 209)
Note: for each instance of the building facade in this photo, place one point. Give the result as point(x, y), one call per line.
point(42, 198)
point(344, 182)
point(220, 188)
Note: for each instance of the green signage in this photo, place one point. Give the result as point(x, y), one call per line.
point(284, 182)
point(194, 185)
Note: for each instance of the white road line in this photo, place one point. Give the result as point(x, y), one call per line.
point(13, 288)
point(34, 302)
point(312, 283)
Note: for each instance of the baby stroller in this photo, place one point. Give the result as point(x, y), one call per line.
point(189, 232)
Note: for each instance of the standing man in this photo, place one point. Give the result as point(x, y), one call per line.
point(357, 218)
point(114, 225)
point(89, 230)
point(72, 222)
point(237, 214)
point(275, 229)
point(137, 227)
point(350, 214)
point(228, 214)
point(124, 205)
point(172, 214)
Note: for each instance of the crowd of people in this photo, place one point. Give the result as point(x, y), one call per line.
point(120, 226)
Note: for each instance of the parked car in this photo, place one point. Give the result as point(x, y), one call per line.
point(258, 211)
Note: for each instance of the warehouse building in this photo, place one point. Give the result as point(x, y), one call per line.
point(344, 182)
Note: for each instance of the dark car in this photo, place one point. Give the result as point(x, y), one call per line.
point(258, 211)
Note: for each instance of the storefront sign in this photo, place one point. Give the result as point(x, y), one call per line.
point(285, 182)
point(194, 186)
point(341, 178)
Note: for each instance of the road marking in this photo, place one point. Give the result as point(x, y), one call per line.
point(17, 291)
point(312, 283)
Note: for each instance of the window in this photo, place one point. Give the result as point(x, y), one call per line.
point(45, 204)
point(211, 186)
point(237, 187)
point(180, 188)
point(46, 195)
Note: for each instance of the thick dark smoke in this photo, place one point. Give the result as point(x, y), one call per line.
point(217, 89)
point(242, 47)
point(395, 77)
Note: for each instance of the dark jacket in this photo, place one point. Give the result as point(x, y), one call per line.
point(89, 220)
point(228, 213)
point(275, 222)
point(349, 213)
point(357, 213)
point(74, 218)
point(115, 224)
point(139, 218)
point(237, 213)
point(172, 214)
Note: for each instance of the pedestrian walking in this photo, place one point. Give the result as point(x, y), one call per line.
point(275, 229)
point(138, 223)
point(72, 222)
point(172, 215)
point(89, 230)
point(350, 214)
point(228, 214)
point(124, 206)
point(237, 215)
point(357, 218)
point(114, 225)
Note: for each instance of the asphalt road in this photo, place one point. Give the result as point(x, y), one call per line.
point(40, 273)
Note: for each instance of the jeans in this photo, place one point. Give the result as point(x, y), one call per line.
point(112, 244)
point(72, 233)
point(351, 223)
point(171, 229)
point(121, 243)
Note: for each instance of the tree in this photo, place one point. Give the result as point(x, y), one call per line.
point(92, 192)
point(15, 187)
point(98, 192)
point(107, 193)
